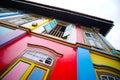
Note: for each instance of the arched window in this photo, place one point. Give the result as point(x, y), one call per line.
point(35, 63)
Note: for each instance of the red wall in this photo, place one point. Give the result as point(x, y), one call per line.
point(65, 68)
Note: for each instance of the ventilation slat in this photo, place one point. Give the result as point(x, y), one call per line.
point(58, 31)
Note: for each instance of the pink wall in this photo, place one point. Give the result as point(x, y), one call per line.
point(79, 35)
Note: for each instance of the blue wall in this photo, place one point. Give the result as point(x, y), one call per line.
point(84, 64)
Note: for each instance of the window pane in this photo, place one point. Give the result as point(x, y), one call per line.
point(110, 78)
point(37, 74)
point(17, 71)
point(103, 77)
point(88, 35)
point(91, 42)
point(117, 78)
point(98, 44)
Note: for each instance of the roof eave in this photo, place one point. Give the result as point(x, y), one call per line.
point(63, 14)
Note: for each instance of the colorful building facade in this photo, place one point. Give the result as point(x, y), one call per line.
point(66, 46)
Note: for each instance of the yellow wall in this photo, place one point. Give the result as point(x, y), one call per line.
point(96, 59)
point(39, 24)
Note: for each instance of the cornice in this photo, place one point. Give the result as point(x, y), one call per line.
point(46, 48)
point(105, 67)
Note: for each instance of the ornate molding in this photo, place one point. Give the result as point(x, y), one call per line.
point(46, 48)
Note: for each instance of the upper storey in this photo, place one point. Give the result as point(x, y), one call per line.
point(61, 26)
point(63, 14)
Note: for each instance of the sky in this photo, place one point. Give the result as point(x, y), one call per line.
point(106, 9)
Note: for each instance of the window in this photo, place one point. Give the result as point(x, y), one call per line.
point(57, 30)
point(22, 20)
point(92, 40)
point(25, 70)
point(108, 77)
point(35, 63)
point(19, 20)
